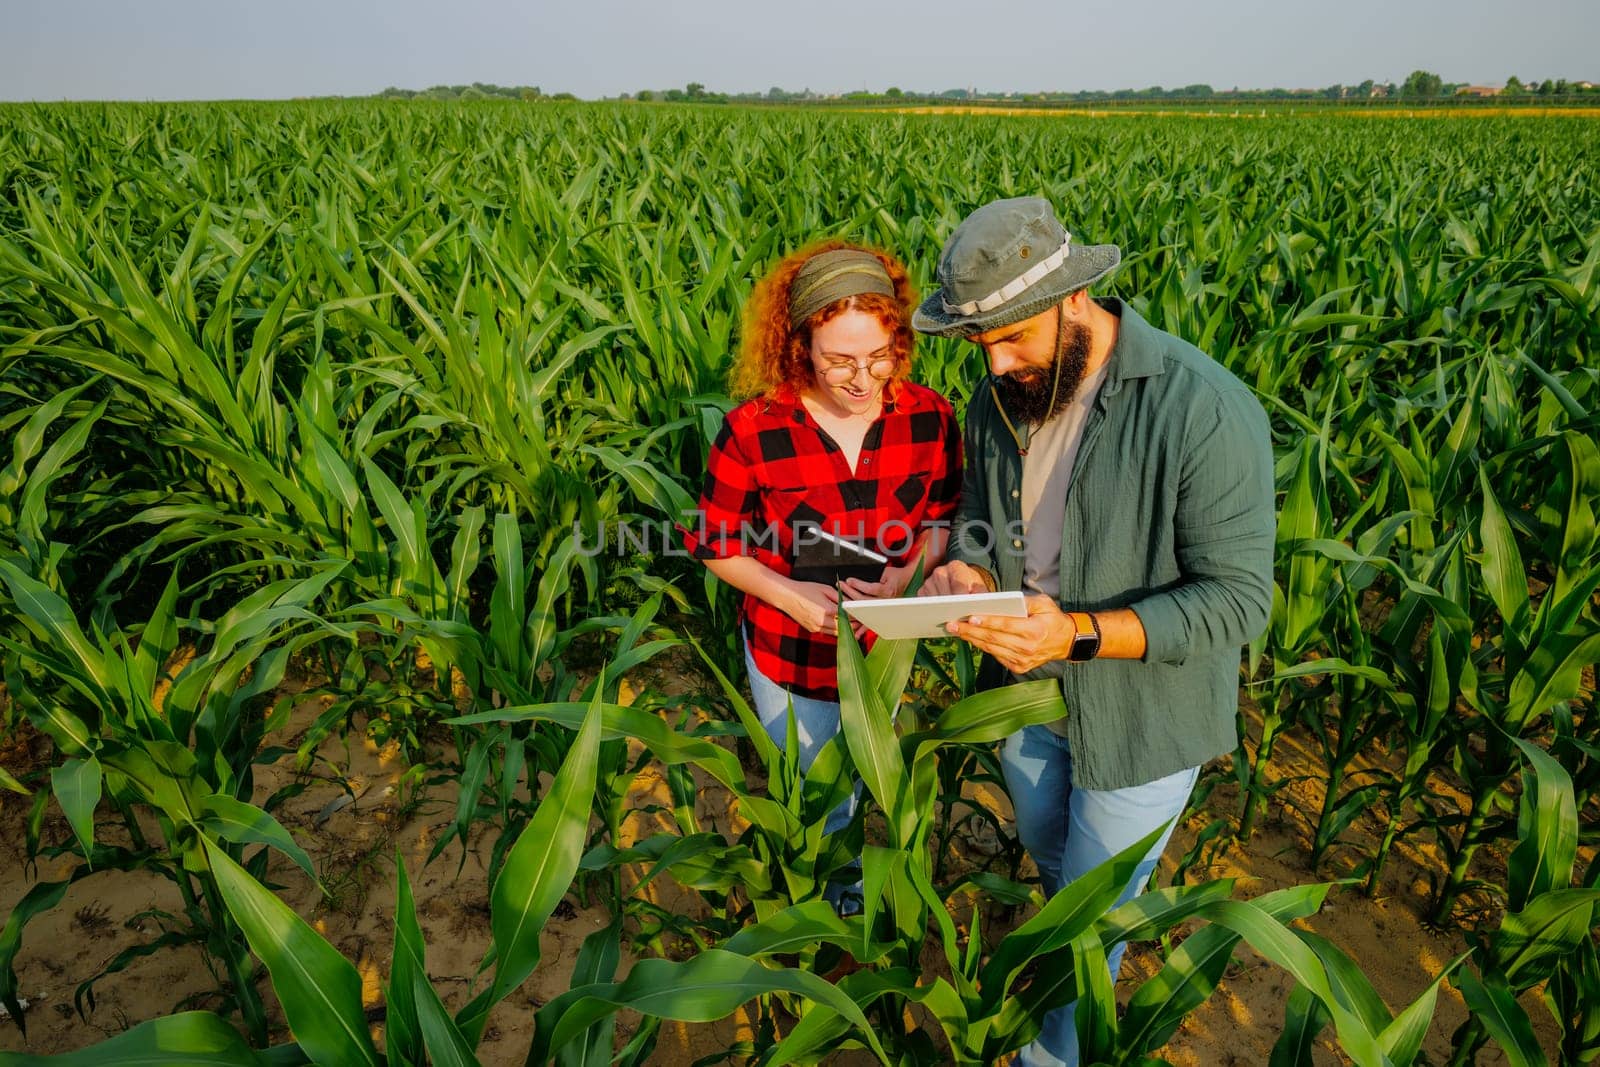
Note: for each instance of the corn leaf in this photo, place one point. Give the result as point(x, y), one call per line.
point(186, 1039)
point(319, 989)
point(537, 872)
point(1493, 1004)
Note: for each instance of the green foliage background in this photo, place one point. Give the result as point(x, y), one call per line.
point(315, 347)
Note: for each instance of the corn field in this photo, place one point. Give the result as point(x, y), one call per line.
point(340, 391)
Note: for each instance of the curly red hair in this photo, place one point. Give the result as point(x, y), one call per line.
point(773, 354)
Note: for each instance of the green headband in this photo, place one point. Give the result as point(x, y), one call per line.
point(832, 276)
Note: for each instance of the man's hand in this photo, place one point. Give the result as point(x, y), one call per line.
point(952, 579)
point(1020, 644)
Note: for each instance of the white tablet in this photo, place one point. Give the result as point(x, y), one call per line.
point(925, 616)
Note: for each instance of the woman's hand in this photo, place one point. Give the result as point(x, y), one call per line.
point(891, 583)
point(815, 601)
point(813, 605)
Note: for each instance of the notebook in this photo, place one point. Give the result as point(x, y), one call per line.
point(820, 556)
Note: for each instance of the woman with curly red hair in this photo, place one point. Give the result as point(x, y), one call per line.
point(834, 438)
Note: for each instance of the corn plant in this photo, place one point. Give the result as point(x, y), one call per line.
point(134, 739)
point(783, 857)
point(953, 673)
point(321, 994)
point(1547, 936)
point(1541, 650)
point(783, 862)
point(320, 990)
point(990, 1005)
point(1315, 633)
point(519, 659)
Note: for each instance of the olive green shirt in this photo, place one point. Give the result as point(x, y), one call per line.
point(1169, 512)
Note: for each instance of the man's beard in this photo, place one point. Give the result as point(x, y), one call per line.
point(1027, 399)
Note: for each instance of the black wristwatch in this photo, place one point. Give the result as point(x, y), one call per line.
point(1085, 643)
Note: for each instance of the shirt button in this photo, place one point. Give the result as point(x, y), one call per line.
point(1016, 544)
point(1015, 494)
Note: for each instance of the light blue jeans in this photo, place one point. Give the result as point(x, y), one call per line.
point(1070, 831)
point(816, 722)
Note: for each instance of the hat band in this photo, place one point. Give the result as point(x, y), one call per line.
point(1015, 287)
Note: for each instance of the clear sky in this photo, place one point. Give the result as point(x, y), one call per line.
point(210, 49)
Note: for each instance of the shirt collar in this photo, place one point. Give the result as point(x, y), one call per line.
point(1137, 353)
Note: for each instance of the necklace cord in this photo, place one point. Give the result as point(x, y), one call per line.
point(1055, 386)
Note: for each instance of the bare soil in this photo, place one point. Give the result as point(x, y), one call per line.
point(354, 844)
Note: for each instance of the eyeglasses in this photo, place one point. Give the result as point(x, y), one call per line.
point(838, 372)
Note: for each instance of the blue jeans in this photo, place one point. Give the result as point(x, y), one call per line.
point(816, 722)
point(1070, 831)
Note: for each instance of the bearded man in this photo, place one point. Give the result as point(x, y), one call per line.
point(1123, 479)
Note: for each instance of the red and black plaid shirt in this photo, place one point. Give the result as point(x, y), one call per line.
point(773, 469)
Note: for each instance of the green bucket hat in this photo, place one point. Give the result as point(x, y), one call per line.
point(1008, 261)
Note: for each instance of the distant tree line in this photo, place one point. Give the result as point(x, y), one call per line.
point(1418, 85)
point(1549, 87)
point(475, 91)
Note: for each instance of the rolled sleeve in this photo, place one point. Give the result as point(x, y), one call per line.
point(728, 501)
point(1223, 538)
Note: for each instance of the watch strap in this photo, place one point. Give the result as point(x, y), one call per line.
point(1085, 642)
